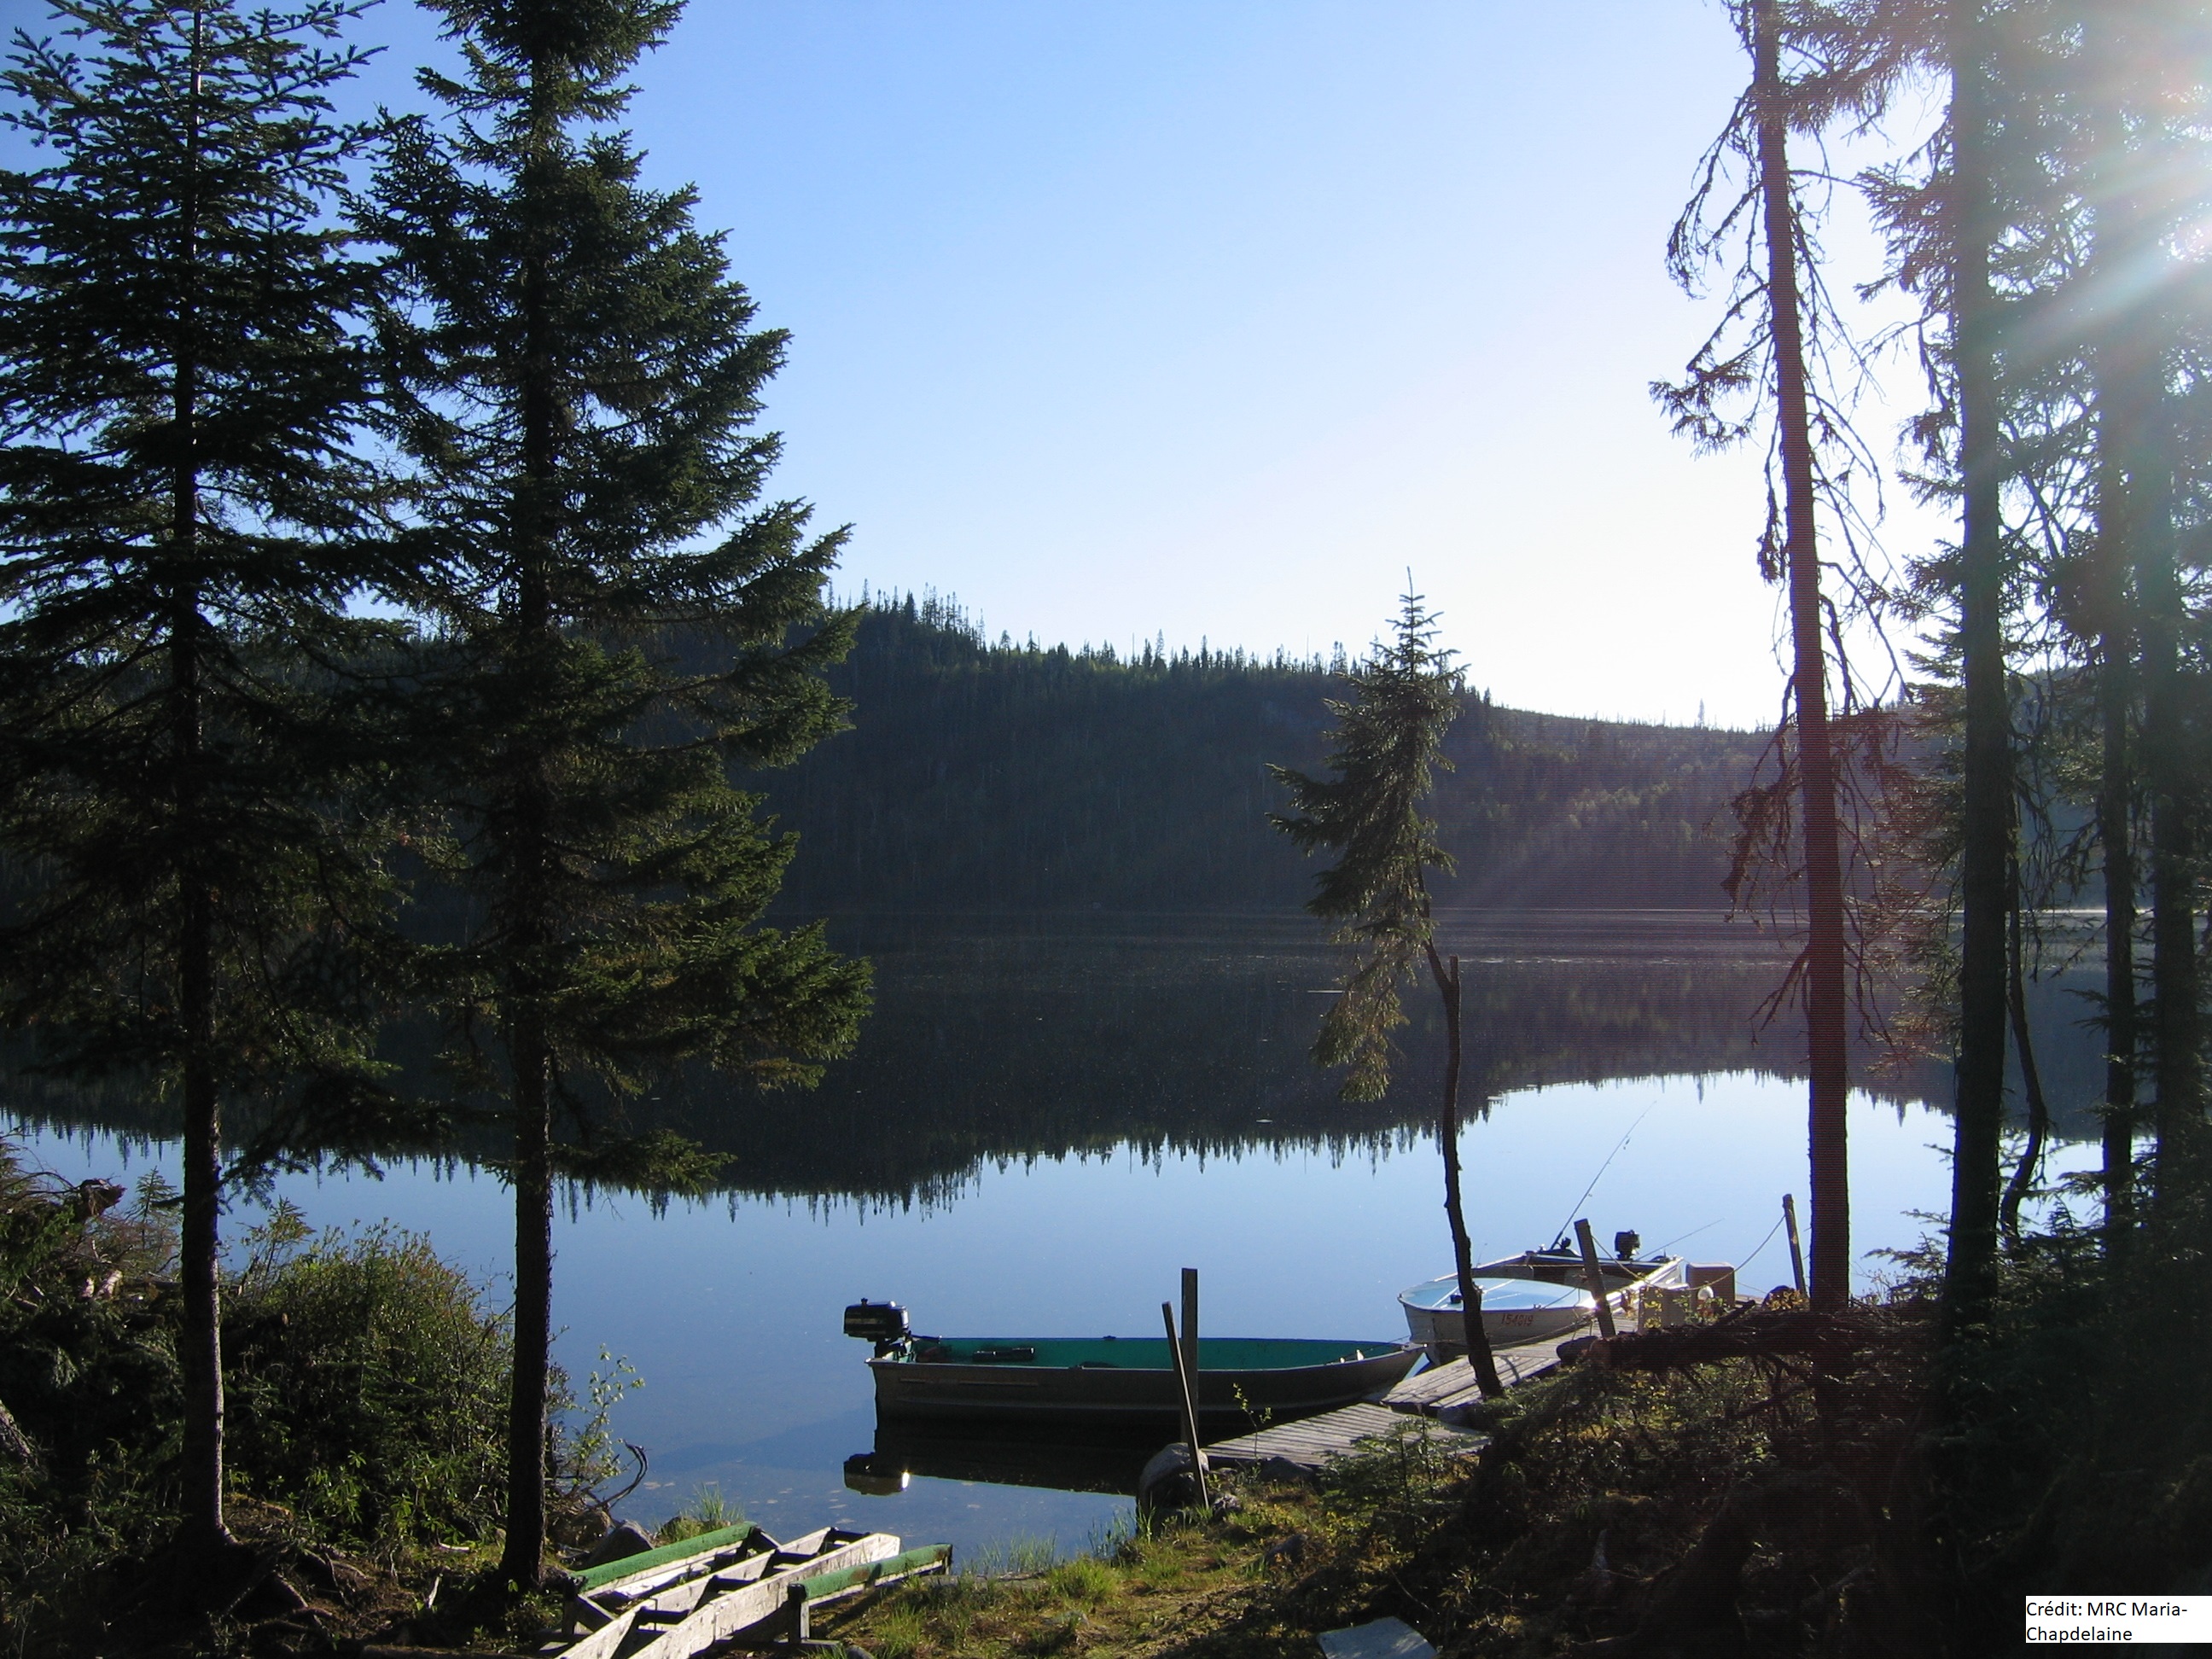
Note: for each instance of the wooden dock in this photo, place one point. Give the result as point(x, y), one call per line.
point(1411, 1408)
point(1453, 1385)
point(1307, 1444)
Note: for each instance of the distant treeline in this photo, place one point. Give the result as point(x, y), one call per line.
point(1015, 777)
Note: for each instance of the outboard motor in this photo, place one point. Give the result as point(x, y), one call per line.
point(883, 1323)
point(1625, 1244)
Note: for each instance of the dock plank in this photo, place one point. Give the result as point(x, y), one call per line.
point(1313, 1441)
point(1453, 1383)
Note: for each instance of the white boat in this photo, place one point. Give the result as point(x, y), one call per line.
point(1536, 1296)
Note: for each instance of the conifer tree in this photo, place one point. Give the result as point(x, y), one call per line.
point(1777, 330)
point(2107, 611)
point(178, 384)
point(1388, 742)
point(2139, 199)
point(576, 377)
point(1957, 232)
point(1986, 824)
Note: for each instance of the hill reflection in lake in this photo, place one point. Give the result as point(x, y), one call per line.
point(1002, 1039)
point(1037, 1037)
point(1049, 1116)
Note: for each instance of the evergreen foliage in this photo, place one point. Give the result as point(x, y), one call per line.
point(2047, 234)
point(1386, 747)
point(997, 777)
point(1385, 750)
point(575, 376)
point(181, 377)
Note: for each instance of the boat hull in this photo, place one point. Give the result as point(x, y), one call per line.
point(1440, 1330)
point(1130, 1393)
point(1434, 1328)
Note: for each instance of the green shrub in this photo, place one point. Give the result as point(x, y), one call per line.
point(367, 1385)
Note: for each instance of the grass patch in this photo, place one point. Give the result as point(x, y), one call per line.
point(1142, 1589)
point(709, 1512)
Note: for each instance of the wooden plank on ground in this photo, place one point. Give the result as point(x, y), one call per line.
point(725, 1614)
point(851, 1581)
point(604, 1642)
point(670, 1561)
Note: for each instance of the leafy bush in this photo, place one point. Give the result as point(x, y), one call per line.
point(368, 1387)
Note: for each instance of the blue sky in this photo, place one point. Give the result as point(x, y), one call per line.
point(1210, 319)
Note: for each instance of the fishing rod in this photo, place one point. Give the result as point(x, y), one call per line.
point(1575, 1209)
point(1762, 1243)
point(1692, 1233)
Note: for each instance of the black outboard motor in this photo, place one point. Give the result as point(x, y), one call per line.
point(1625, 1245)
point(883, 1323)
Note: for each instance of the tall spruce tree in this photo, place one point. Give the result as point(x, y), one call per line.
point(1986, 827)
point(615, 625)
point(2108, 606)
point(1775, 332)
point(2142, 201)
point(1951, 215)
point(178, 384)
point(1388, 743)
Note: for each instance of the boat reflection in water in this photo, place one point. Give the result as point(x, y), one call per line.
point(1055, 1457)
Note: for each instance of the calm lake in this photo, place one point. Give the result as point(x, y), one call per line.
point(1050, 1116)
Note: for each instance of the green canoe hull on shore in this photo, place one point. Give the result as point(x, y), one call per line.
point(1129, 1379)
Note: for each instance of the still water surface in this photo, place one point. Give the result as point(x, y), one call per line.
point(1049, 1119)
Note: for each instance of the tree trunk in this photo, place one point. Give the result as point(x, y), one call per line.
point(1470, 1296)
point(2130, 363)
point(2115, 834)
point(199, 1242)
point(522, 1561)
point(15, 1445)
point(2111, 598)
point(2139, 414)
point(1986, 829)
point(2031, 1075)
point(1827, 989)
point(2176, 1067)
point(531, 651)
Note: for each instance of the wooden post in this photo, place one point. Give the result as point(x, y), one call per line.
point(1596, 1278)
point(1189, 1387)
point(796, 1631)
point(1797, 1250)
point(1190, 1324)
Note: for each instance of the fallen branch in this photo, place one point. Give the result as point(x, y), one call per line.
point(1753, 1333)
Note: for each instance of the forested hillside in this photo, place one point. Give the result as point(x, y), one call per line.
point(1006, 777)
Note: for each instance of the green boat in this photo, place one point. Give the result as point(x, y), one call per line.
point(1116, 1380)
